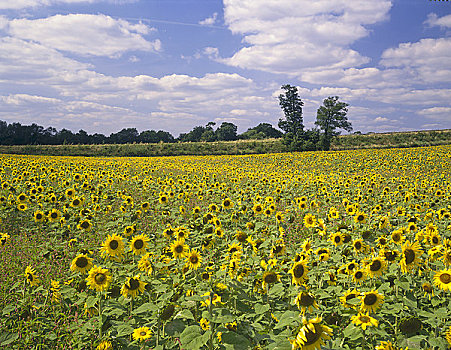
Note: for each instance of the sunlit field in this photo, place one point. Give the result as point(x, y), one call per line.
point(332, 250)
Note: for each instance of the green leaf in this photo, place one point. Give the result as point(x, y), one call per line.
point(175, 327)
point(147, 307)
point(276, 290)
point(192, 338)
point(91, 301)
point(8, 338)
point(232, 340)
point(403, 283)
point(186, 314)
point(261, 308)
point(124, 329)
point(7, 309)
point(287, 318)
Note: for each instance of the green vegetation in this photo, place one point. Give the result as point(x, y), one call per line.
point(344, 142)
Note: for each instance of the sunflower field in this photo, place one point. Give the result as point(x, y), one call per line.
point(313, 250)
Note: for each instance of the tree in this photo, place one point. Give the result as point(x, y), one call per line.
point(330, 117)
point(293, 124)
point(291, 104)
point(226, 132)
point(261, 131)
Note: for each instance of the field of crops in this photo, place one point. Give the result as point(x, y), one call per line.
point(332, 250)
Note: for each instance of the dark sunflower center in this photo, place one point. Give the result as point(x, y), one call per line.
point(142, 333)
point(313, 337)
point(370, 299)
point(85, 224)
point(81, 262)
point(277, 249)
point(271, 278)
point(76, 202)
point(194, 259)
point(54, 215)
point(396, 237)
point(100, 278)
point(427, 288)
point(360, 218)
point(226, 203)
point(337, 239)
point(298, 271)
point(445, 278)
point(322, 251)
point(179, 249)
point(306, 300)
point(205, 276)
point(358, 275)
point(409, 254)
point(375, 266)
point(364, 319)
point(435, 240)
point(133, 284)
point(139, 243)
point(30, 277)
point(357, 245)
point(351, 266)
point(233, 250)
point(39, 216)
point(351, 296)
point(114, 244)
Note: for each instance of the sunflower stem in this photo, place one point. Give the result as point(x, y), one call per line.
point(100, 316)
point(210, 310)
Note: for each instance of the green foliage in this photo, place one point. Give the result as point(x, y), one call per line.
point(330, 117)
point(291, 104)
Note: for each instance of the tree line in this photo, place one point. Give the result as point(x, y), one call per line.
point(330, 117)
point(18, 134)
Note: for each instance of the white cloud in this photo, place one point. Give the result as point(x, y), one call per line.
point(21, 4)
point(286, 36)
point(85, 34)
point(209, 21)
point(434, 20)
point(437, 113)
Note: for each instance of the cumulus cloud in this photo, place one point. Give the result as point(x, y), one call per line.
point(437, 113)
point(434, 20)
point(289, 37)
point(209, 21)
point(21, 4)
point(85, 34)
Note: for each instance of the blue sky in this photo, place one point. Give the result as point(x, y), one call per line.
point(103, 65)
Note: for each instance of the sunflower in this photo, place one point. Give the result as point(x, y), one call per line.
point(410, 325)
point(82, 263)
point(442, 279)
point(351, 266)
point(181, 233)
point(168, 232)
point(98, 278)
point(309, 220)
point(204, 324)
point(360, 218)
point(132, 287)
point(278, 249)
point(76, 202)
point(306, 246)
point(305, 302)
point(371, 301)
point(268, 278)
point(241, 236)
point(349, 299)
point(193, 259)
point(448, 336)
point(22, 207)
point(358, 275)
point(336, 238)
point(39, 216)
point(410, 256)
point(216, 299)
point(84, 225)
point(299, 272)
point(208, 242)
point(128, 230)
point(145, 264)
point(257, 208)
point(30, 275)
point(139, 244)
point(179, 249)
point(142, 333)
point(387, 345)
point(104, 345)
point(235, 250)
point(397, 236)
point(113, 246)
point(227, 203)
point(3, 238)
point(145, 206)
point(364, 320)
point(376, 267)
point(312, 335)
point(358, 245)
point(446, 257)
point(54, 215)
point(213, 207)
